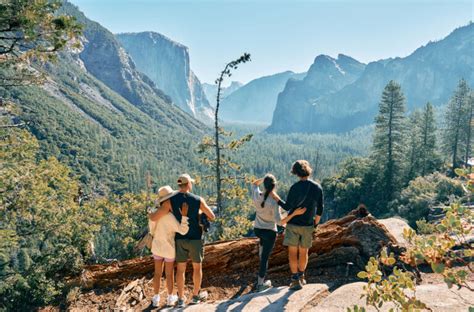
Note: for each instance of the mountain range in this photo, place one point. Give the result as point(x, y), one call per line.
point(106, 119)
point(255, 101)
point(211, 90)
point(338, 95)
point(167, 64)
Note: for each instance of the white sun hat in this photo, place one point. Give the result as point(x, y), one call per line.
point(165, 192)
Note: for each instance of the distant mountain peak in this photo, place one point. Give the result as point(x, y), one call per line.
point(328, 102)
point(154, 36)
point(167, 63)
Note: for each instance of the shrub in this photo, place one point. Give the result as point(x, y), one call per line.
point(425, 192)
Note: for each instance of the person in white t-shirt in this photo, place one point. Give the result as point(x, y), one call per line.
point(163, 228)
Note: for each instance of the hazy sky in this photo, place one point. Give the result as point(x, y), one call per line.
point(283, 34)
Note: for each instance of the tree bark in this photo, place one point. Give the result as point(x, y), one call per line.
point(355, 237)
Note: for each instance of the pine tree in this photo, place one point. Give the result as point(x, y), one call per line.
point(455, 123)
point(467, 126)
point(388, 146)
point(429, 158)
point(414, 149)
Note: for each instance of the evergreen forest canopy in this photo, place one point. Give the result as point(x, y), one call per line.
point(74, 152)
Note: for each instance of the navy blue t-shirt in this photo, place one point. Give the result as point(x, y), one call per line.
point(194, 203)
point(307, 194)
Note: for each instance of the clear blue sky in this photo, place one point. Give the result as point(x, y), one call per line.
point(283, 34)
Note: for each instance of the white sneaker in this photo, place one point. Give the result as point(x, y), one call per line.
point(171, 301)
point(155, 301)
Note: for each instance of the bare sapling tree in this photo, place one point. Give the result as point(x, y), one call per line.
point(227, 72)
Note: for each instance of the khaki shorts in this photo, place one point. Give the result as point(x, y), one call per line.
point(298, 236)
point(189, 248)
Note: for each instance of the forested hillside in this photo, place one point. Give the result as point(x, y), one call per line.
point(81, 128)
point(104, 119)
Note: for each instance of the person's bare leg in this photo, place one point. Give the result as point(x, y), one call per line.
point(169, 271)
point(303, 258)
point(157, 276)
point(180, 271)
point(293, 259)
point(197, 277)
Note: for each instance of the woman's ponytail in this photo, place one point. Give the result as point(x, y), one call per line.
point(269, 182)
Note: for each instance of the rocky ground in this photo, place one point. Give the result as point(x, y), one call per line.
point(326, 291)
point(230, 271)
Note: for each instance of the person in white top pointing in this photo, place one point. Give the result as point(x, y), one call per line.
point(163, 229)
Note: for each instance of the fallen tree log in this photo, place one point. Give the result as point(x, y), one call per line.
point(354, 238)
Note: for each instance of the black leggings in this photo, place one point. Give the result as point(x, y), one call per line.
point(267, 241)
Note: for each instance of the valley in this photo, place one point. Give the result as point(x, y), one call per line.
point(93, 123)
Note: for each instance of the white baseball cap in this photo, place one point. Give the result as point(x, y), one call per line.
point(185, 179)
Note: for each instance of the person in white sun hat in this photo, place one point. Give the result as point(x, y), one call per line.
point(164, 226)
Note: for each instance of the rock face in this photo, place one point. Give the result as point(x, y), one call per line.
point(104, 58)
point(102, 117)
point(430, 73)
point(255, 101)
point(396, 226)
point(275, 299)
point(167, 64)
point(294, 107)
point(211, 91)
point(353, 238)
point(437, 297)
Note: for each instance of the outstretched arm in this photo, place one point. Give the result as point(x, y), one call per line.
point(206, 210)
point(256, 191)
point(290, 202)
point(295, 213)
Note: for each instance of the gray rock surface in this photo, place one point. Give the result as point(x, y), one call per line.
point(211, 91)
point(275, 299)
point(255, 101)
point(395, 226)
point(438, 297)
point(167, 64)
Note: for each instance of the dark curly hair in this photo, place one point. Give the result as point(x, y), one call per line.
point(301, 168)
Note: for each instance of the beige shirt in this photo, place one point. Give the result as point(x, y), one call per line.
point(163, 232)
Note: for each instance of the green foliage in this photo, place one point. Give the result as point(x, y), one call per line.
point(32, 31)
point(344, 191)
point(234, 216)
point(389, 141)
point(424, 227)
point(436, 250)
point(49, 229)
point(43, 231)
point(423, 193)
point(429, 159)
point(120, 220)
point(423, 157)
point(218, 131)
point(393, 288)
point(458, 124)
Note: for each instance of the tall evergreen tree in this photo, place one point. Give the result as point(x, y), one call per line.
point(414, 149)
point(429, 158)
point(467, 126)
point(455, 123)
point(388, 146)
